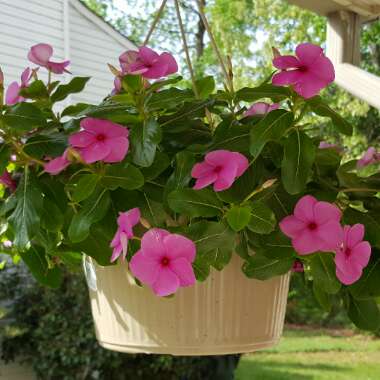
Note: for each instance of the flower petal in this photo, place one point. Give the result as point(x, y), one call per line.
point(226, 177)
point(304, 209)
point(354, 235)
point(158, 70)
point(361, 254)
point(218, 157)
point(12, 95)
point(95, 152)
point(58, 67)
point(183, 269)
point(40, 54)
point(118, 149)
point(284, 62)
point(144, 268)
point(331, 233)
point(308, 53)
point(82, 139)
point(167, 283)
point(205, 181)
point(349, 275)
point(56, 165)
point(242, 163)
point(117, 251)
point(259, 108)
point(325, 211)
point(179, 246)
point(307, 242)
point(170, 62)
point(147, 55)
point(105, 127)
point(152, 243)
point(292, 226)
point(285, 78)
point(202, 169)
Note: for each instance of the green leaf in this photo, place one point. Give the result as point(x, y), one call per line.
point(275, 246)
point(209, 236)
point(162, 83)
point(235, 138)
point(264, 91)
point(263, 268)
point(369, 284)
point(85, 187)
point(205, 86)
point(51, 216)
point(238, 217)
point(323, 272)
point(299, 155)
point(364, 314)
point(36, 90)
point(262, 219)
point(132, 83)
point(97, 243)
point(5, 153)
point(127, 177)
point(144, 141)
point(46, 145)
point(160, 163)
point(195, 203)
point(215, 243)
point(182, 173)
point(36, 262)
point(271, 128)
point(75, 109)
point(168, 99)
point(24, 117)
point(94, 209)
point(25, 219)
point(76, 85)
point(201, 268)
point(318, 106)
point(323, 298)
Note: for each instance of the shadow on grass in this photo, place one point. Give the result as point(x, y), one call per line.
point(249, 369)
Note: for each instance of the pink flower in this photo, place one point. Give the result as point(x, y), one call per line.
point(298, 267)
point(116, 86)
point(260, 108)
point(313, 227)
point(309, 72)
point(101, 140)
point(353, 254)
point(370, 157)
point(7, 181)
point(58, 164)
point(13, 92)
point(220, 167)
point(126, 221)
point(148, 63)
point(40, 54)
point(164, 261)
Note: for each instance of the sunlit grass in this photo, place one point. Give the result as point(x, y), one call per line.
point(314, 355)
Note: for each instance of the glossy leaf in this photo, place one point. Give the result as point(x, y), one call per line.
point(127, 177)
point(238, 217)
point(299, 155)
point(271, 128)
point(24, 117)
point(195, 203)
point(364, 314)
point(76, 85)
point(262, 219)
point(323, 272)
point(85, 187)
point(144, 141)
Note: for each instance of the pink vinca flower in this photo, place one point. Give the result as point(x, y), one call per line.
point(298, 267)
point(100, 140)
point(309, 72)
point(164, 261)
point(7, 181)
point(41, 54)
point(13, 92)
point(371, 156)
point(353, 254)
point(126, 221)
point(260, 108)
point(148, 63)
point(220, 167)
point(313, 227)
point(58, 164)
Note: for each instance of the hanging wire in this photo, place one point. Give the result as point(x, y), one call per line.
point(186, 48)
point(155, 21)
point(214, 45)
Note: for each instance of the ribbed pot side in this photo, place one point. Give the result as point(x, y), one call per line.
point(228, 313)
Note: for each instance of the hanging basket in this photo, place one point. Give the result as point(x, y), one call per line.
point(228, 313)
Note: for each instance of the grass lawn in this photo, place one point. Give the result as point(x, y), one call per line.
point(314, 355)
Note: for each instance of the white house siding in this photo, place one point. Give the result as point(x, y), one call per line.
point(74, 32)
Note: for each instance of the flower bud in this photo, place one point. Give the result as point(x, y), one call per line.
point(73, 155)
point(114, 70)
